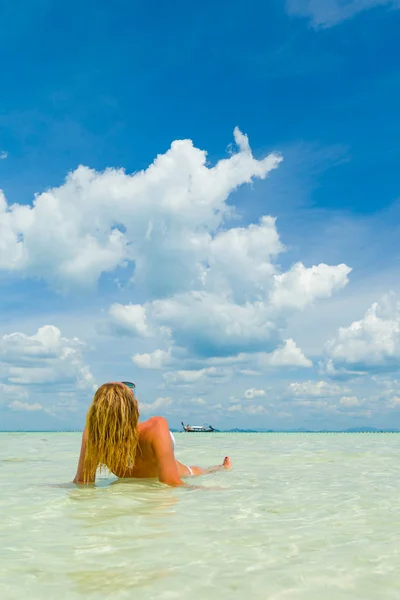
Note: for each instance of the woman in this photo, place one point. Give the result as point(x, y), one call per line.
point(114, 438)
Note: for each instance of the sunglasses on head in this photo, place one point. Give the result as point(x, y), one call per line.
point(129, 384)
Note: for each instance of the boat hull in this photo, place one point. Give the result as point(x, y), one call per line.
point(200, 431)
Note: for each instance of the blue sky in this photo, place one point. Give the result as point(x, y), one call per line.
point(256, 286)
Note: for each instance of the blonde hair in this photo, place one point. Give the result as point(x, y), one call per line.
point(111, 430)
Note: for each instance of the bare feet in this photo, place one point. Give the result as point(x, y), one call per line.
point(227, 463)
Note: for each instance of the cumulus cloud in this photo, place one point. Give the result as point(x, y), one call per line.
point(327, 13)
point(129, 319)
point(234, 408)
point(189, 377)
point(25, 406)
point(239, 260)
point(371, 344)
point(215, 324)
point(253, 393)
point(158, 405)
point(255, 410)
point(250, 409)
point(394, 402)
point(349, 401)
point(301, 286)
point(315, 389)
point(153, 360)
point(212, 325)
point(196, 401)
point(233, 399)
point(43, 358)
point(212, 290)
point(3, 154)
point(288, 355)
point(8, 392)
point(158, 220)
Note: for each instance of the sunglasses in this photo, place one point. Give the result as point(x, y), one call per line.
point(129, 384)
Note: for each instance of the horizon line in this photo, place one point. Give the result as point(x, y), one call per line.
point(233, 430)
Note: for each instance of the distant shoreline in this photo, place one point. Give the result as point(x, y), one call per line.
point(353, 430)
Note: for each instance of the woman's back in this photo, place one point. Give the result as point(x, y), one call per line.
point(145, 464)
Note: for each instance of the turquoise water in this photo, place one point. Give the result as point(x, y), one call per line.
point(300, 517)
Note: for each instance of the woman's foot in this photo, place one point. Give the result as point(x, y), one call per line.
point(227, 463)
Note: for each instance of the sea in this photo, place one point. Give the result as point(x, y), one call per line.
point(301, 516)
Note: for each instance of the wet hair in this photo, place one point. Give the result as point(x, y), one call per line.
point(112, 432)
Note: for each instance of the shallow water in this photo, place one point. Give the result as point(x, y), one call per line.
point(300, 516)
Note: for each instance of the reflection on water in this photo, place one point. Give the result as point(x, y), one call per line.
point(119, 521)
point(114, 581)
point(299, 517)
point(132, 498)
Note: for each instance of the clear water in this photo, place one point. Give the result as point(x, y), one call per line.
point(300, 516)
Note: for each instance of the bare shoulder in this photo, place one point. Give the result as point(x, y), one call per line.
point(158, 432)
point(158, 424)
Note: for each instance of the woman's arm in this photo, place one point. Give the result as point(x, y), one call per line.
point(170, 470)
point(164, 453)
point(81, 463)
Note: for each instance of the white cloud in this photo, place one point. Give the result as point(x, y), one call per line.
point(129, 319)
point(239, 260)
point(212, 290)
point(235, 408)
point(159, 219)
point(212, 325)
point(395, 402)
point(25, 406)
point(159, 404)
point(371, 344)
point(315, 405)
point(255, 410)
point(316, 389)
point(327, 368)
point(3, 154)
point(288, 355)
point(85, 378)
point(327, 13)
point(153, 360)
point(233, 399)
point(11, 392)
point(251, 409)
point(350, 401)
point(301, 286)
point(387, 383)
point(196, 401)
point(253, 393)
point(190, 376)
point(43, 358)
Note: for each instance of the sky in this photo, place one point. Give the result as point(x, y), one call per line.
point(202, 199)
